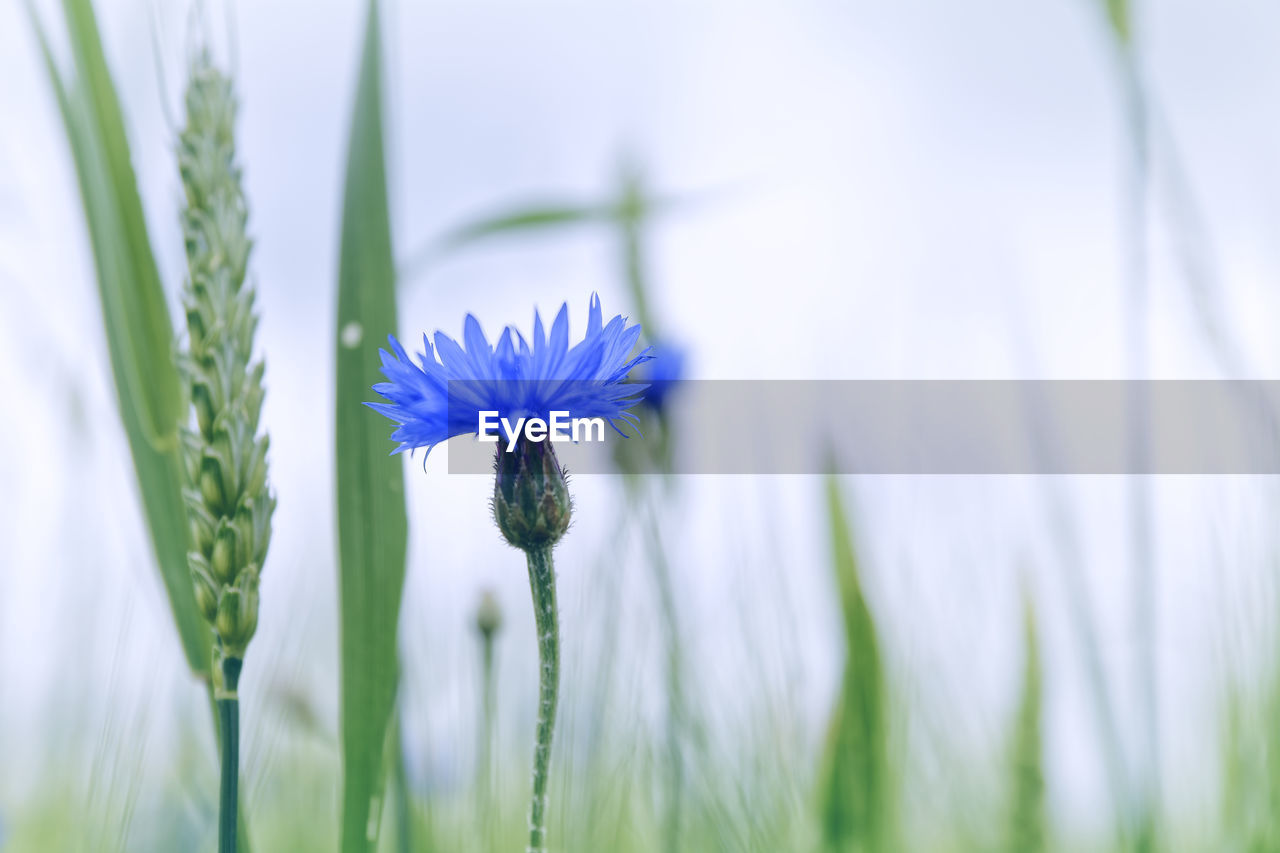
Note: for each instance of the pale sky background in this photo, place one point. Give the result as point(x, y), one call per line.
point(906, 190)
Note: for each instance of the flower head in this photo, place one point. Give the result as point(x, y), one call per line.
point(444, 393)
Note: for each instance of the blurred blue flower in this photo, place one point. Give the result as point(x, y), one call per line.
point(443, 395)
point(663, 374)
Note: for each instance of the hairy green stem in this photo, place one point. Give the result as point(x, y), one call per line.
point(229, 725)
point(542, 582)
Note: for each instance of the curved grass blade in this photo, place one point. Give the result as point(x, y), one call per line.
point(138, 311)
point(519, 219)
point(630, 207)
point(525, 219)
point(138, 331)
point(372, 526)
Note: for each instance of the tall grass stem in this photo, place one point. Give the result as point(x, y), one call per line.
point(1028, 825)
point(676, 722)
point(1138, 320)
point(229, 725)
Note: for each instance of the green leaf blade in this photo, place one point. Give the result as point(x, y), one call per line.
point(129, 288)
point(515, 221)
point(138, 309)
point(855, 795)
point(372, 523)
point(1028, 832)
point(532, 218)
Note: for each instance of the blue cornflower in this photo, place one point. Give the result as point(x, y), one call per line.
point(443, 395)
point(663, 374)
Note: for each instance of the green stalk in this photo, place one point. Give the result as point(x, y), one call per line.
point(1028, 826)
point(632, 215)
point(229, 725)
point(532, 507)
point(542, 582)
point(1144, 815)
point(1145, 577)
point(487, 701)
point(486, 800)
point(676, 720)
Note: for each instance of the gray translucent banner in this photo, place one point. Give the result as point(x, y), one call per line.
point(942, 427)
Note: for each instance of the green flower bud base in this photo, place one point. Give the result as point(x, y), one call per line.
point(531, 501)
